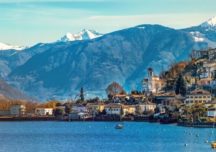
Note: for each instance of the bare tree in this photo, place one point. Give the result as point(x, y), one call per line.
point(114, 88)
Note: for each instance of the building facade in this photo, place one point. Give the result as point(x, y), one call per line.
point(198, 96)
point(113, 109)
point(44, 111)
point(17, 110)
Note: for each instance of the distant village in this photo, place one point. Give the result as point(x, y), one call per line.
point(184, 94)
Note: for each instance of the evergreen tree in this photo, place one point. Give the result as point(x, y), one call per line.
point(180, 86)
point(82, 94)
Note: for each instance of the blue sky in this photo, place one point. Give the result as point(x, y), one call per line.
point(26, 22)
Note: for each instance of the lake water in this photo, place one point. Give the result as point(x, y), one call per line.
point(102, 137)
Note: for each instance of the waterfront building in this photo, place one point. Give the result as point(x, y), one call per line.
point(145, 107)
point(78, 115)
point(113, 109)
point(95, 108)
point(129, 109)
point(17, 109)
point(211, 112)
point(198, 96)
point(44, 111)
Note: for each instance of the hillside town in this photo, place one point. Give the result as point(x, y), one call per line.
point(184, 94)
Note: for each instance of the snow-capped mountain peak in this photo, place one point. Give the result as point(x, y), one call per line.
point(4, 46)
point(83, 35)
point(210, 23)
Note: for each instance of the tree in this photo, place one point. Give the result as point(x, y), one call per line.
point(67, 108)
point(82, 94)
point(180, 86)
point(103, 112)
point(58, 112)
point(113, 89)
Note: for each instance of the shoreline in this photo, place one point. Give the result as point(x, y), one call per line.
point(181, 124)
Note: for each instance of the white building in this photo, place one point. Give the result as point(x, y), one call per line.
point(211, 112)
point(44, 111)
point(113, 109)
point(17, 110)
point(153, 83)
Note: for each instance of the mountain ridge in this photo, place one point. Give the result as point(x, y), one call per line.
point(60, 69)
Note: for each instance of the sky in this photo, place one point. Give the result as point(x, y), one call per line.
point(26, 22)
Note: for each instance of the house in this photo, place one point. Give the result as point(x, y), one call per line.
point(129, 109)
point(17, 109)
point(211, 112)
point(113, 109)
point(211, 54)
point(199, 54)
point(44, 111)
point(95, 108)
point(165, 98)
point(198, 96)
point(78, 116)
point(137, 97)
point(145, 107)
point(119, 97)
point(79, 108)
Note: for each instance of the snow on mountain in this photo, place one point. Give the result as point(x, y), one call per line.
point(210, 23)
point(83, 35)
point(200, 38)
point(4, 46)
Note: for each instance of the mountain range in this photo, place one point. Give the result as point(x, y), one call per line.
point(93, 60)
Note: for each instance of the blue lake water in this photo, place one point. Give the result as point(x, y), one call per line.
point(102, 137)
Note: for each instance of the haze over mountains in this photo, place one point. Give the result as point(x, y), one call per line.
point(92, 60)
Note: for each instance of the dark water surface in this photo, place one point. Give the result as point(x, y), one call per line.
point(102, 137)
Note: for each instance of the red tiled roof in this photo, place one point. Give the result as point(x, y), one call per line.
point(200, 91)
